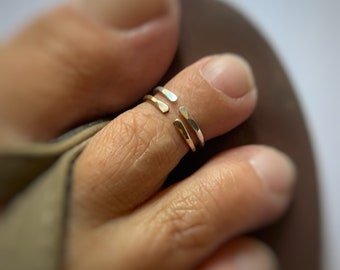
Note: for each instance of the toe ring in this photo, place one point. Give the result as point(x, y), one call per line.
point(193, 124)
point(185, 134)
point(166, 92)
point(163, 107)
point(178, 123)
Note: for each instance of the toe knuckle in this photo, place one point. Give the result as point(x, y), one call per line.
point(129, 134)
point(143, 133)
point(135, 133)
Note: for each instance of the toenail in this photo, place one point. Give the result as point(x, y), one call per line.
point(124, 14)
point(218, 70)
point(276, 171)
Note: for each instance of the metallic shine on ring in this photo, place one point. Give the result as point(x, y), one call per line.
point(163, 107)
point(185, 134)
point(167, 93)
point(193, 124)
point(178, 123)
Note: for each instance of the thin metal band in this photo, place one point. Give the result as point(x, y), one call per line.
point(163, 107)
point(185, 134)
point(166, 92)
point(193, 124)
point(179, 125)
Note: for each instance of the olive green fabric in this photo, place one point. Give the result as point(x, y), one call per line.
point(32, 223)
point(19, 164)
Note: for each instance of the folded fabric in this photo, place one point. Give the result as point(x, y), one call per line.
point(35, 185)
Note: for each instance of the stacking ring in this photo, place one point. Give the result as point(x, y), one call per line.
point(178, 123)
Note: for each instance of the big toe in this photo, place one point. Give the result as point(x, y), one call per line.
point(81, 61)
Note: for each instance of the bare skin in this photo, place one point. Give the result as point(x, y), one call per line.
point(86, 59)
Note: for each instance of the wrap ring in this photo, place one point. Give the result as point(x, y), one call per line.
point(183, 113)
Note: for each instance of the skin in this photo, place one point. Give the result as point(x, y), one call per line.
point(86, 59)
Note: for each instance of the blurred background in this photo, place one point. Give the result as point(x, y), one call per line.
point(306, 36)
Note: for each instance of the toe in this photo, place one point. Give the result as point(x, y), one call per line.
point(231, 195)
point(77, 63)
point(234, 193)
point(128, 160)
point(242, 254)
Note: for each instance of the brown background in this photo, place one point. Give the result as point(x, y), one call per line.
point(210, 27)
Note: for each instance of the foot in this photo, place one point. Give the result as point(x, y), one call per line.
point(85, 60)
